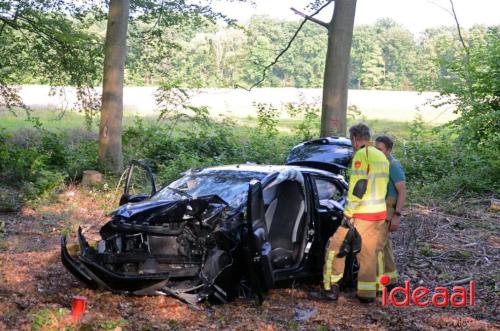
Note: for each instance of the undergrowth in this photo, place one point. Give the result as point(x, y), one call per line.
point(438, 164)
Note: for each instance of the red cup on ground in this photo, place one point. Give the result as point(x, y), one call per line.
point(78, 306)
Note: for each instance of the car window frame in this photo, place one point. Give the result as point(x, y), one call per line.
point(315, 177)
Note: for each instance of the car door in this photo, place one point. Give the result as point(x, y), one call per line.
point(139, 183)
point(329, 198)
point(256, 245)
point(329, 201)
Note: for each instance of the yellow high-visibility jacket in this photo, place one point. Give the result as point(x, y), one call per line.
point(371, 164)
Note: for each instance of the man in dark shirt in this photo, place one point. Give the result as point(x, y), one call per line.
point(396, 196)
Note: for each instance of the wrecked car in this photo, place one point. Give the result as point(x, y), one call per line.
point(221, 232)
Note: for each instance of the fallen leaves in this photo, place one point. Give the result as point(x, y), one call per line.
point(32, 280)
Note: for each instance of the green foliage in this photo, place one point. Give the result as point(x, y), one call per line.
point(467, 75)
point(436, 47)
point(183, 44)
point(384, 55)
point(366, 58)
point(425, 249)
point(176, 144)
point(48, 43)
point(112, 324)
point(49, 319)
point(472, 87)
point(438, 165)
point(60, 43)
point(267, 119)
point(398, 53)
point(43, 161)
point(308, 127)
point(160, 31)
point(461, 158)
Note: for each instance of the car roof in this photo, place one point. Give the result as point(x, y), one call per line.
point(265, 169)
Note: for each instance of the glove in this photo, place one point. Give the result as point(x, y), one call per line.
point(352, 240)
point(345, 248)
point(356, 242)
point(346, 223)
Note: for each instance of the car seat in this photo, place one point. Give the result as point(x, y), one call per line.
point(285, 221)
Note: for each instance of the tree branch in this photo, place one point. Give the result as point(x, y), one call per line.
point(466, 59)
point(442, 7)
point(285, 49)
point(157, 22)
point(310, 18)
point(459, 30)
point(466, 50)
point(5, 20)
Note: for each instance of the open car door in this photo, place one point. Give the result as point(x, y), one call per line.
point(139, 183)
point(257, 247)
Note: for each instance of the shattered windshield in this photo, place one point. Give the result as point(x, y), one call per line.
point(230, 185)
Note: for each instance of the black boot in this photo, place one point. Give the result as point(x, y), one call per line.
point(331, 295)
point(390, 287)
point(365, 300)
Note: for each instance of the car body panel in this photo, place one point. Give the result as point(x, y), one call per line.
point(332, 154)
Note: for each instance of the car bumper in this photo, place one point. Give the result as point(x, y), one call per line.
point(96, 276)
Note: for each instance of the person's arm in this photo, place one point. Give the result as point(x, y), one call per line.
point(401, 190)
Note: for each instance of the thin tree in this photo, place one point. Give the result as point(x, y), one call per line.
point(336, 75)
point(110, 129)
point(159, 13)
point(334, 107)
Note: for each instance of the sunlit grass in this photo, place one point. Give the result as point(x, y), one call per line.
point(55, 120)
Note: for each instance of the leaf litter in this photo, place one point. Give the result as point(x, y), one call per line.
point(433, 248)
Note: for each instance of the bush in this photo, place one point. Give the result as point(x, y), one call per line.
point(201, 142)
point(439, 165)
point(44, 161)
point(309, 127)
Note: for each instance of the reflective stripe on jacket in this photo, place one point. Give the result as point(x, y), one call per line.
point(371, 164)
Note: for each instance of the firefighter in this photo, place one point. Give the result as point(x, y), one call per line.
point(396, 196)
point(366, 211)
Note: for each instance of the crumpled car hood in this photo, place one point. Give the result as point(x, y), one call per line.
point(138, 210)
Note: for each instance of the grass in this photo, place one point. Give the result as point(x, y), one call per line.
point(49, 319)
point(49, 119)
point(393, 128)
point(54, 120)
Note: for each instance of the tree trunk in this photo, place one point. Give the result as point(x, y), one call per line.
point(334, 107)
point(110, 129)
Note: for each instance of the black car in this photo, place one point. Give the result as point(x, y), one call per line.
point(221, 232)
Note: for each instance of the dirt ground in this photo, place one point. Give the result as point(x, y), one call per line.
point(435, 247)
